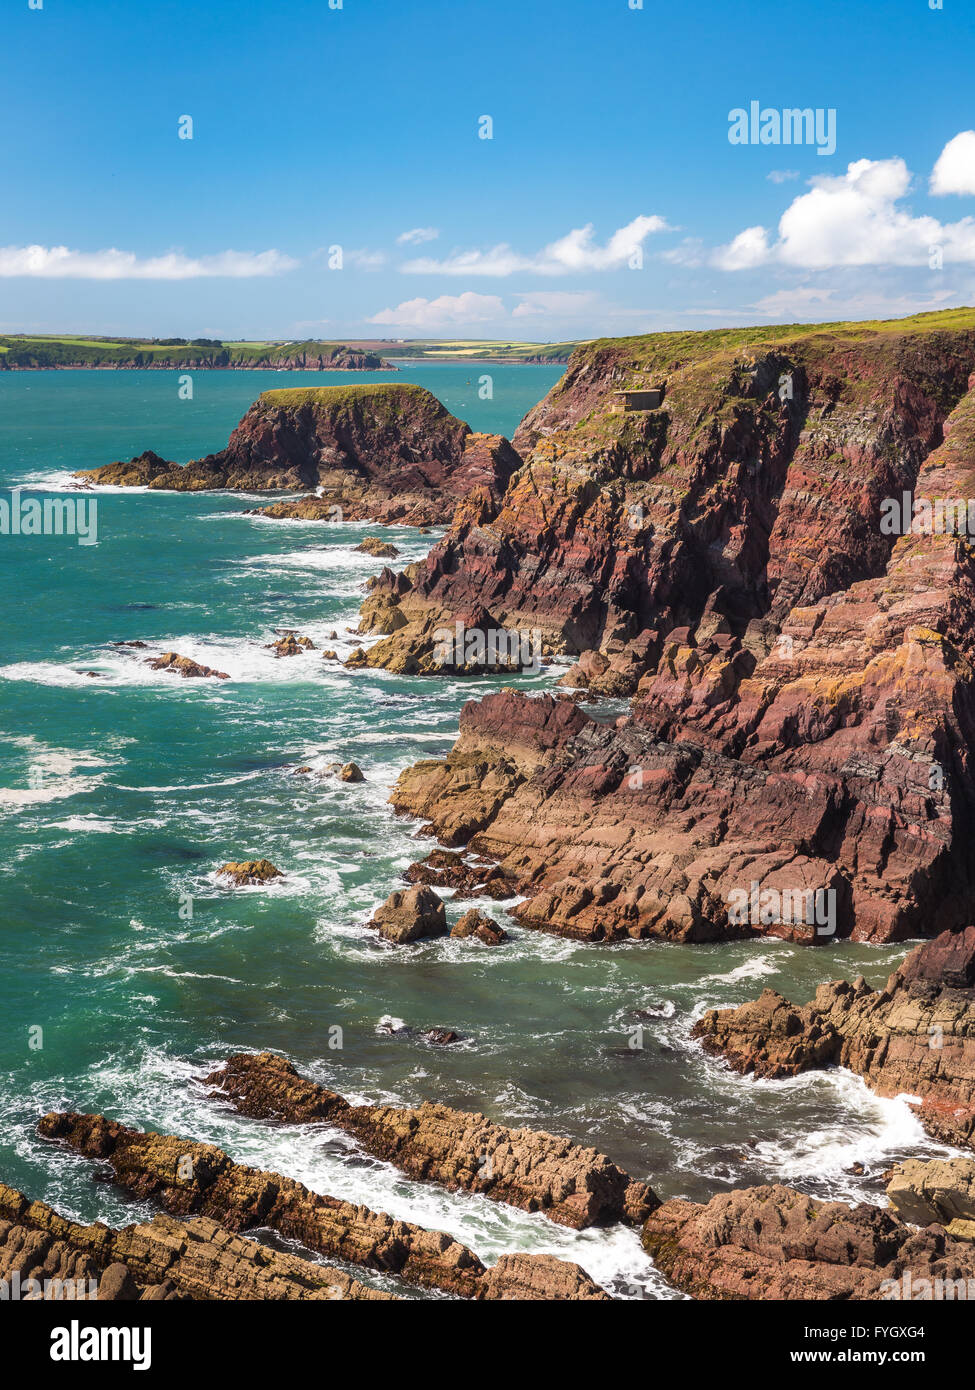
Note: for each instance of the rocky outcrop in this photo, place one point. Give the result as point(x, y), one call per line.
point(250, 871)
point(443, 868)
point(184, 666)
point(374, 545)
point(188, 1178)
point(772, 1243)
point(769, 1037)
point(291, 645)
point(409, 914)
point(525, 1168)
point(478, 924)
point(159, 1259)
point(914, 1037)
point(386, 453)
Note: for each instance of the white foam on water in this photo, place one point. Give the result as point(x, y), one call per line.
point(770, 962)
point(879, 1130)
point(55, 774)
point(89, 825)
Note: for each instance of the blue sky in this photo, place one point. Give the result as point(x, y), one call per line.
point(609, 200)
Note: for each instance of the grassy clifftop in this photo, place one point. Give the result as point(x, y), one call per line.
point(378, 401)
point(695, 345)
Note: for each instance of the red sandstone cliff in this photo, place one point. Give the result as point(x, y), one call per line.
point(804, 681)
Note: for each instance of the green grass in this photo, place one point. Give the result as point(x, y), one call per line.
point(697, 343)
point(387, 395)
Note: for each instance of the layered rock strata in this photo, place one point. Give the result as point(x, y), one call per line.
point(570, 1184)
point(743, 559)
point(159, 1259)
point(192, 1179)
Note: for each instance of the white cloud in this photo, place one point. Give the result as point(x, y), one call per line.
point(573, 253)
point(554, 304)
point(365, 260)
point(852, 219)
point(786, 302)
point(690, 252)
point(955, 170)
point(60, 263)
point(446, 309)
point(417, 235)
point(749, 248)
point(850, 300)
point(782, 175)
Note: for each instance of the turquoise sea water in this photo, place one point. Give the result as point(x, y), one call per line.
point(120, 794)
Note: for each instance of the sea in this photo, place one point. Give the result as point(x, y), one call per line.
point(130, 969)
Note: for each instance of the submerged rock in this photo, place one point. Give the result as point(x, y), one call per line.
point(291, 645)
point(250, 871)
point(182, 665)
point(446, 869)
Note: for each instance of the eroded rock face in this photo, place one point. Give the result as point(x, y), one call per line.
point(775, 1243)
point(159, 1259)
point(526, 1168)
point(831, 773)
point(409, 914)
point(754, 488)
point(916, 1036)
point(189, 1178)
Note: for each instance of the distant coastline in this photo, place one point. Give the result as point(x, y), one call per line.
point(73, 352)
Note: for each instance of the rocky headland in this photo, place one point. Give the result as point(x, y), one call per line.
point(379, 452)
